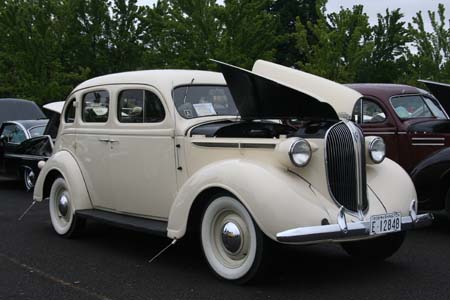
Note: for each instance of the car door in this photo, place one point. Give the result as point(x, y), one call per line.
point(92, 147)
point(374, 119)
point(142, 168)
point(13, 135)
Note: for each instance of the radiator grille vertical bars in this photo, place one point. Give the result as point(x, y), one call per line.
point(346, 167)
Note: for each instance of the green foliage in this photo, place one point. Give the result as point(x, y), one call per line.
point(432, 59)
point(342, 47)
point(47, 47)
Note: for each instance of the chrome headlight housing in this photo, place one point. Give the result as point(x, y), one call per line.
point(300, 153)
point(377, 150)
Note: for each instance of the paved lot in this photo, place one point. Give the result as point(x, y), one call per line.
point(110, 263)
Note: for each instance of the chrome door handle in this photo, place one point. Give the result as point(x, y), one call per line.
point(113, 141)
point(104, 140)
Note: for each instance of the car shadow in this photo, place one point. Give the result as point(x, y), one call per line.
point(309, 266)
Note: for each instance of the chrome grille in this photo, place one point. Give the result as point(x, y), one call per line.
point(346, 168)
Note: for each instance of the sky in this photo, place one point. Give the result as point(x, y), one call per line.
point(373, 7)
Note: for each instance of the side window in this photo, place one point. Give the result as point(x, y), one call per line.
point(17, 135)
point(7, 132)
point(95, 107)
point(368, 111)
point(139, 106)
point(69, 116)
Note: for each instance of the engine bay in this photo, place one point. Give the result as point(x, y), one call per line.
point(264, 129)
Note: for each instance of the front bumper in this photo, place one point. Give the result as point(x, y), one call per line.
point(344, 231)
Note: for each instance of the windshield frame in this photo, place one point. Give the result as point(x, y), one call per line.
point(426, 104)
point(203, 84)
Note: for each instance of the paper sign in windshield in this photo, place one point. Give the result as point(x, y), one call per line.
point(204, 109)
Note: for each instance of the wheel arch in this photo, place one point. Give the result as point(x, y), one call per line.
point(276, 199)
point(63, 164)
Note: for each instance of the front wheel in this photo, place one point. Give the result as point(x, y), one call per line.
point(232, 243)
point(378, 248)
point(63, 217)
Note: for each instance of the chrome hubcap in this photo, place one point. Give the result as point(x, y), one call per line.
point(63, 204)
point(231, 237)
point(29, 178)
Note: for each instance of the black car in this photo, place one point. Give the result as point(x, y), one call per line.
point(24, 143)
point(22, 146)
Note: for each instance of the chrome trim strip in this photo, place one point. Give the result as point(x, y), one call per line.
point(257, 146)
point(216, 145)
point(428, 144)
point(428, 139)
point(381, 133)
point(235, 145)
point(27, 134)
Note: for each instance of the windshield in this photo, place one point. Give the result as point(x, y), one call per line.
point(416, 106)
point(194, 101)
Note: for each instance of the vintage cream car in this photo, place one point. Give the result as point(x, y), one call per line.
point(167, 151)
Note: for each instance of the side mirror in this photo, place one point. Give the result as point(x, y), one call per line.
point(3, 139)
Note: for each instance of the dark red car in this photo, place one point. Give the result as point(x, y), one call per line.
point(416, 130)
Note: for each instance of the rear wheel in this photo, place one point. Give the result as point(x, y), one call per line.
point(233, 244)
point(29, 178)
point(63, 217)
point(378, 248)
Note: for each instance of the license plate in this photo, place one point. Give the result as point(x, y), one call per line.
point(391, 222)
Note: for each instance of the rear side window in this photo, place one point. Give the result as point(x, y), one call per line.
point(95, 107)
point(139, 106)
point(69, 116)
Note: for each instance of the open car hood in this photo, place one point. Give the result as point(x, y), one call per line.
point(53, 111)
point(56, 107)
point(441, 91)
point(271, 93)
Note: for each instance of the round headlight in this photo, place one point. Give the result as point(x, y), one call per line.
point(300, 153)
point(377, 150)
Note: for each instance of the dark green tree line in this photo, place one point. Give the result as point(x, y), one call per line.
point(47, 47)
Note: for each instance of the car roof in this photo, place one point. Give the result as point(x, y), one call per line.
point(385, 90)
point(165, 79)
point(27, 124)
point(19, 109)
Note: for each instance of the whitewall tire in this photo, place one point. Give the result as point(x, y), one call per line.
point(62, 213)
point(231, 241)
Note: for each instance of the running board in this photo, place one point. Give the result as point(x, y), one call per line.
point(154, 227)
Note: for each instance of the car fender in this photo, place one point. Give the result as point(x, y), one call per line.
point(64, 163)
point(392, 185)
point(276, 198)
point(431, 178)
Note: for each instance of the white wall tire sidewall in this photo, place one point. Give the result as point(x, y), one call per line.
point(215, 207)
point(61, 226)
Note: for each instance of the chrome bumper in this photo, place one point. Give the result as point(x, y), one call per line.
point(343, 230)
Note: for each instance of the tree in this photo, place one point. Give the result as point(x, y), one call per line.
point(432, 57)
point(247, 32)
point(343, 44)
point(287, 13)
point(126, 45)
point(388, 59)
